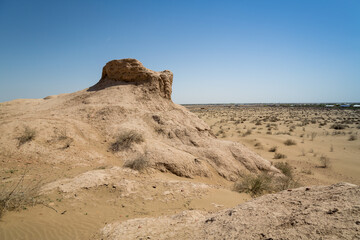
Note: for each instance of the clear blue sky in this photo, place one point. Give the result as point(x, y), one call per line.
point(219, 51)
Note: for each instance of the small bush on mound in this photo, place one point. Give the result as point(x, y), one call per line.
point(289, 142)
point(140, 163)
point(18, 196)
point(27, 136)
point(279, 156)
point(254, 185)
point(125, 140)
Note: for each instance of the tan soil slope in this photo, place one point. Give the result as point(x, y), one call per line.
point(77, 129)
point(319, 212)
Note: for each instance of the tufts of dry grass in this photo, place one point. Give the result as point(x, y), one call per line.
point(139, 163)
point(338, 126)
point(18, 196)
point(352, 138)
point(255, 185)
point(125, 140)
point(248, 132)
point(285, 168)
point(289, 142)
point(273, 149)
point(279, 156)
point(325, 161)
point(26, 136)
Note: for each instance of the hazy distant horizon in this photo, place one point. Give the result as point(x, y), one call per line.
point(230, 51)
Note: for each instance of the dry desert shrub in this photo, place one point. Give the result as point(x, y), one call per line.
point(159, 130)
point(338, 126)
point(63, 137)
point(139, 163)
point(313, 135)
point(325, 161)
point(26, 136)
point(248, 132)
point(289, 142)
point(352, 137)
point(18, 196)
point(273, 149)
point(255, 185)
point(126, 139)
point(279, 156)
point(283, 183)
point(285, 168)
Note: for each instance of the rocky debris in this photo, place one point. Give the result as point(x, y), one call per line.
point(321, 212)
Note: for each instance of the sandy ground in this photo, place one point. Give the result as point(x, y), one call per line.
point(263, 127)
point(78, 209)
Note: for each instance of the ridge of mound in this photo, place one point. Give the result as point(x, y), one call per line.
point(319, 212)
point(82, 128)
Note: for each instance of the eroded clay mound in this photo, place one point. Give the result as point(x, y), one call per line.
point(78, 129)
point(330, 212)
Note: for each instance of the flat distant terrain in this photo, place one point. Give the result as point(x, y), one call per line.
point(323, 144)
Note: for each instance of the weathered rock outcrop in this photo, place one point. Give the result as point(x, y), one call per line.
point(132, 71)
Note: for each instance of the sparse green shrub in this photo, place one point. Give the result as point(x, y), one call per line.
point(289, 142)
point(255, 185)
point(26, 136)
point(279, 156)
point(263, 183)
point(285, 168)
point(139, 163)
point(125, 140)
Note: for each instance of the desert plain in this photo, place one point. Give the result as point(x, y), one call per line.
point(120, 160)
point(318, 133)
